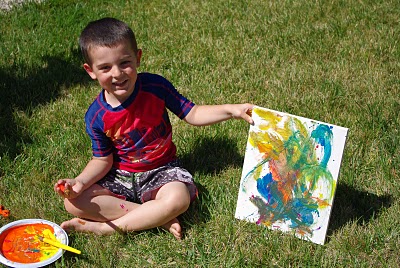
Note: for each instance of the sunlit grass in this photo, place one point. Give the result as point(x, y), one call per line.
point(336, 62)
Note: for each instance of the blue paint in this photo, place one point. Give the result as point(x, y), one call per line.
point(323, 135)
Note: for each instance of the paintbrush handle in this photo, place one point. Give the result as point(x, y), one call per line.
point(60, 245)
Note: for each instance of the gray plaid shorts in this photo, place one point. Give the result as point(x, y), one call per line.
point(138, 186)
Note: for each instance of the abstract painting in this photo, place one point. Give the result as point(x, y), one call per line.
point(290, 173)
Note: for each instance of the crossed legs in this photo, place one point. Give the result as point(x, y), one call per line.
point(106, 213)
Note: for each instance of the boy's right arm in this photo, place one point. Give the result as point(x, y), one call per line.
point(95, 170)
point(203, 115)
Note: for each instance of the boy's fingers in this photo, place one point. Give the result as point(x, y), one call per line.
point(63, 189)
point(66, 192)
point(250, 120)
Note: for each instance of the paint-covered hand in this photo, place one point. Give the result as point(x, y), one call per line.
point(68, 188)
point(242, 111)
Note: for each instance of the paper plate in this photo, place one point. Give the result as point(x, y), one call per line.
point(60, 234)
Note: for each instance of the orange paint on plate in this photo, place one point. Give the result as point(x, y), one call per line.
point(21, 244)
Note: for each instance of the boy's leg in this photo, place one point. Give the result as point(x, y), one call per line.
point(98, 204)
point(168, 202)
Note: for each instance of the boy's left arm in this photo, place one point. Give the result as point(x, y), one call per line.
point(203, 115)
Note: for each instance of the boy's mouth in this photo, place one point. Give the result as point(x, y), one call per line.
point(120, 84)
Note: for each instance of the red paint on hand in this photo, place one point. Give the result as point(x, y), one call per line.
point(62, 187)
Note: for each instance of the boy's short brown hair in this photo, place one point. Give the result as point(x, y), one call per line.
point(106, 32)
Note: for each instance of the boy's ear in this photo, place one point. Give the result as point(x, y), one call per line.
point(138, 57)
point(89, 70)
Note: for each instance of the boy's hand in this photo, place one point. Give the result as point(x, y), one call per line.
point(68, 188)
point(243, 111)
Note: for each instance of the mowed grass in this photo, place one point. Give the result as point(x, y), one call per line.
point(332, 61)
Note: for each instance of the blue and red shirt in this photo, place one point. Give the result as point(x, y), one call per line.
point(138, 132)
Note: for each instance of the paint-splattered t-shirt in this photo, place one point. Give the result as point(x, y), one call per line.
point(138, 132)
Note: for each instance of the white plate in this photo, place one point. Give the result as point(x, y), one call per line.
point(60, 234)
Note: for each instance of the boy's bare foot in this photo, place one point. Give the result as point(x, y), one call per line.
point(85, 226)
point(174, 227)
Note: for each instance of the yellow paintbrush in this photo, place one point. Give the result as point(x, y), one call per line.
point(58, 244)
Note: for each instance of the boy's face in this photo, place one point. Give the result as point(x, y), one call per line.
point(116, 70)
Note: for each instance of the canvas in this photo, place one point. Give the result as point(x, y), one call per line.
point(290, 173)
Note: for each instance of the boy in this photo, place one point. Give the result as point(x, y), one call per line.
point(134, 181)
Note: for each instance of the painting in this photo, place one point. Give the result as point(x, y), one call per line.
point(290, 172)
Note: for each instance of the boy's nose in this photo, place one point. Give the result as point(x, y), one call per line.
point(116, 72)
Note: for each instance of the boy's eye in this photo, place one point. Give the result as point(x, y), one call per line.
point(103, 68)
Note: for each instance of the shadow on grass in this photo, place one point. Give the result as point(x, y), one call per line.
point(24, 87)
point(211, 155)
point(198, 212)
point(353, 205)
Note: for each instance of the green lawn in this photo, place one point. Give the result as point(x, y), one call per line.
point(332, 61)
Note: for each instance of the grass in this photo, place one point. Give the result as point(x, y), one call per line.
point(333, 61)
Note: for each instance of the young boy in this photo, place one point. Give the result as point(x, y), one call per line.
point(134, 180)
